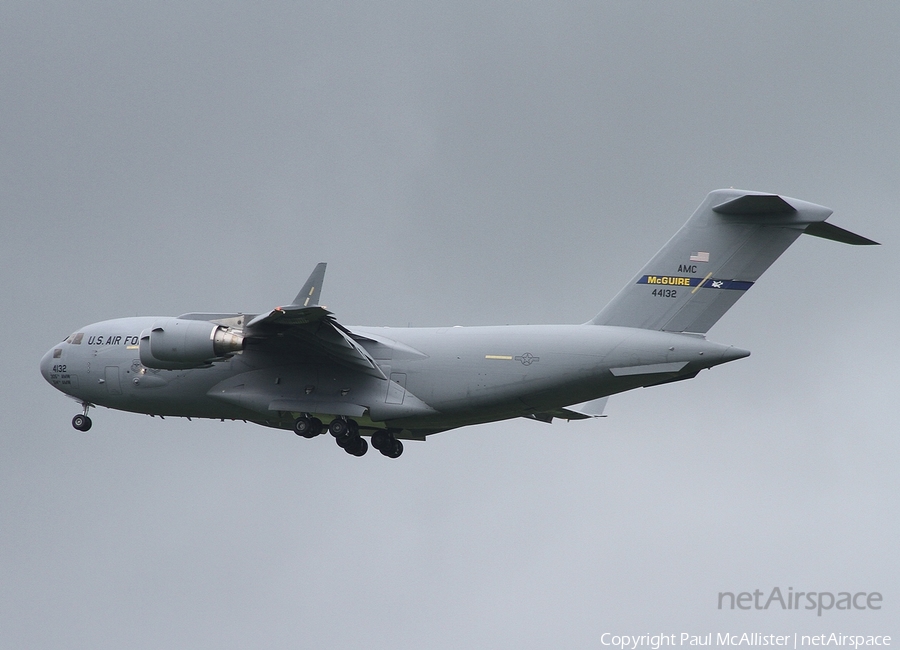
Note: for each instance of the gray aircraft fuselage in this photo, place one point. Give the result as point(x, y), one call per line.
point(439, 378)
point(297, 365)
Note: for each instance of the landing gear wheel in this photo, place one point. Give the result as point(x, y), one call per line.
point(381, 439)
point(344, 440)
point(303, 426)
point(81, 422)
point(356, 446)
point(338, 427)
point(394, 449)
point(316, 425)
point(387, 444)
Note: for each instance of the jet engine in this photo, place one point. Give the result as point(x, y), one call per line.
point(175, 343)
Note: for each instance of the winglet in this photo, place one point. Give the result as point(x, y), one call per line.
point(309, 294)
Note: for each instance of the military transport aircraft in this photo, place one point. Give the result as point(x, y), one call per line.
point(296, 367)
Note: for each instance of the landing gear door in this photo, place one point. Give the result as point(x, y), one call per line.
point(396, 388)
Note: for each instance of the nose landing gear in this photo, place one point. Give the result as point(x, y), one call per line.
point(82, 422)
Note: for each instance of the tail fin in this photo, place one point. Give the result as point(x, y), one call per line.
point(732, 238)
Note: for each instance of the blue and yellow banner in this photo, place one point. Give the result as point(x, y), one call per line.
point(703, 283)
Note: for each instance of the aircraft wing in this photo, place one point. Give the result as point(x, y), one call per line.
point(314, 327)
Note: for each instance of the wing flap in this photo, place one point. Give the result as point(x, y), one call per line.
point(334, 339)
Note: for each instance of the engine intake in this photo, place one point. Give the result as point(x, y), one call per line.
point(175, 343)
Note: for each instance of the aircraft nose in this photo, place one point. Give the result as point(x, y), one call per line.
point(46, 363)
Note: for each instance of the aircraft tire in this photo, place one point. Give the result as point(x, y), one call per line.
point(393, 450)
point(381, 439)
point(303, 426)
point(339, 427)
point(343, 440)
point(81, 422)
point(317, 427)
point(357, 446)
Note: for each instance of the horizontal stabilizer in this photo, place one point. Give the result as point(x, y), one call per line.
point(827, 230)
point(755, 204)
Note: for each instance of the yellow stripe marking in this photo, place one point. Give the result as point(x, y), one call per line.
point(502, 357)
point(702, 282)
point(132, 347)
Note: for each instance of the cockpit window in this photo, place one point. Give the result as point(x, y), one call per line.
point(75, 339)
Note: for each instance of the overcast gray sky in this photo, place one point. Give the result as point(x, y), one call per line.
point(455, 164)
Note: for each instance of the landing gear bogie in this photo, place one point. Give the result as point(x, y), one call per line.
point(346, 435)
point(308, 427)
point(357, 446)
point(387, 444)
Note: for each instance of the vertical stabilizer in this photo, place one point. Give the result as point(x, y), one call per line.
point(732, 238)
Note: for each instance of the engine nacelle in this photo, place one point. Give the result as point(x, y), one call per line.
point(175, 343)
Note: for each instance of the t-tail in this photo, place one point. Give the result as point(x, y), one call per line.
point(732, 238)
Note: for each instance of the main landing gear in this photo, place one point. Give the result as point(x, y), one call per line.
point(307, 427)
point(82, 422)
point(387, 444)
point(346, 435)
